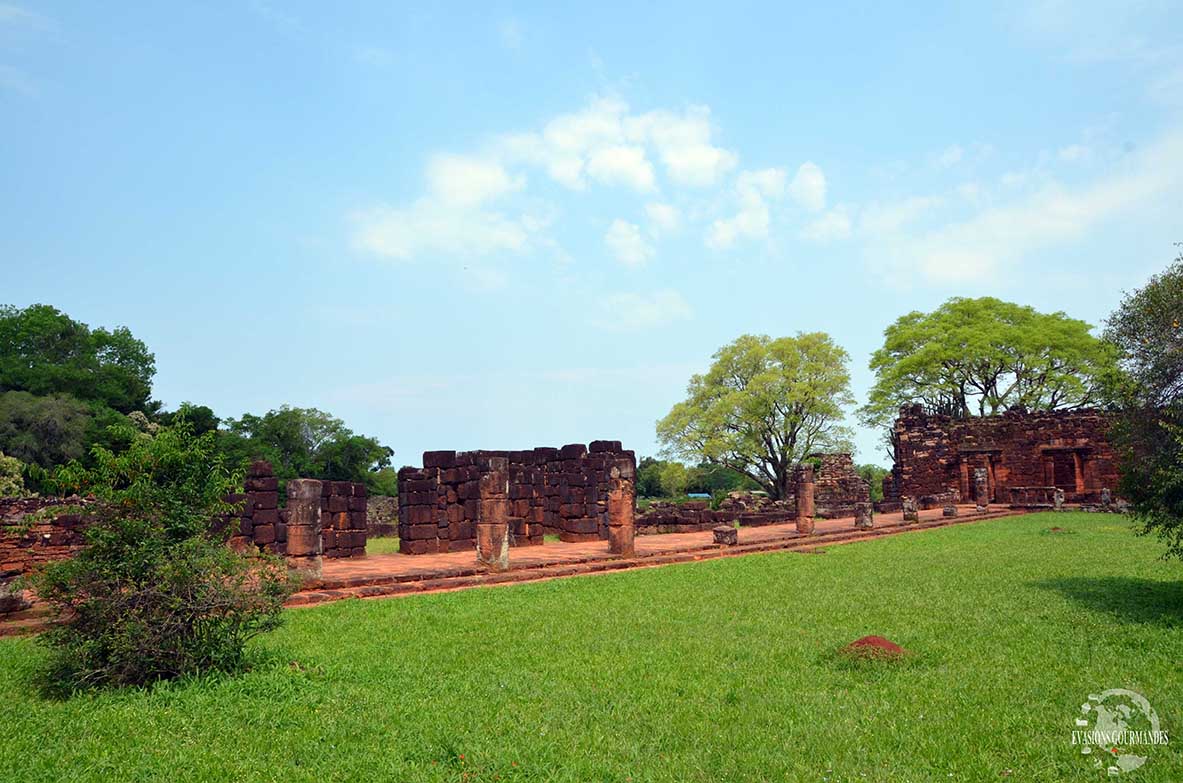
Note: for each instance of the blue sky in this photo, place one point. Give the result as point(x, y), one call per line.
point(501, 226)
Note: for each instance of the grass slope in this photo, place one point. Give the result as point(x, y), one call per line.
point(715, 671)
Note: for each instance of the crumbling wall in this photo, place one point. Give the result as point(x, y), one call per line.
point(937, 455)
point(838, 486)
point(261, 522)
point(28, 538)
point(560, 491)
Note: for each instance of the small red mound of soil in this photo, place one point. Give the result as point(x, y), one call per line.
point(1056, 530)
point(874, 647)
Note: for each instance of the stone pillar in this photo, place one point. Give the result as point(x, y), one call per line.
point(622, 508)
point(1106, 498)
point(492, 527)
point(805, 507)
point(981, 488)
point(908, 504)
point(1058, 499)
point(303, 527)
point(863, 518)
point(725, 535)
point(1078, 471)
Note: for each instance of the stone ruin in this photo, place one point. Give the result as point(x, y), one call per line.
point(330, 523)
point(1027, 460)
point(547, 491)
point(263, 524)
point(837, 491)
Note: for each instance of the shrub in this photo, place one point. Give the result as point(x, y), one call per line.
point(12, 482)
point(155, 593)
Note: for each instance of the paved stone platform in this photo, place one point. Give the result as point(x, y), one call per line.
point(390, 575)
point(386, 575)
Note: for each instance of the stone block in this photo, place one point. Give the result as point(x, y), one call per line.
point(727, 535)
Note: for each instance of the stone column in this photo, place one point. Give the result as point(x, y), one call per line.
point(805, 507)
point(1078, 472)
point(622, 508)
point(908, 505)
point(303, 528)
point(981, 488)
point(1058, 499)
point(492, 527)
point(863, 519)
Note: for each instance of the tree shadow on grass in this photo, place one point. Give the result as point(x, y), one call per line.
point(1129, 599)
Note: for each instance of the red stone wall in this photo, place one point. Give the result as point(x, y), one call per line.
point(558, 491)
point(25, 544)
point(263, 524)
point(838, 486)
point(936, 455)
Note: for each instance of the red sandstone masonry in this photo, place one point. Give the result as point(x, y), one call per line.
point(556, 491)
point(936, 456)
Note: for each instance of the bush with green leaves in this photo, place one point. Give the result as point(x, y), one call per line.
point(1147, 329)
point(155, 593)
point(12, 482)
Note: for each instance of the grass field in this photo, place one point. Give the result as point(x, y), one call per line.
point(716, 671)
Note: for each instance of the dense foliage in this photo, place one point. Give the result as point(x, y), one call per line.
point(44, 351)
point(12, 483)
point(66, 388)
point(703, 478)
point(873, 475)
point(309, 443)
point(763, 406)
point(977, 357)
point(155, 593)
point(1147, 328)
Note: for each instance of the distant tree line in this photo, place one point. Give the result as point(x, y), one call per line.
point(67, 389)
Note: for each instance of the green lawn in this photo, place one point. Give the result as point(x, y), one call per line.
point(716, 671)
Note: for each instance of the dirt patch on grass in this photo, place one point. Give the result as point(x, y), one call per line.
point(874, 648)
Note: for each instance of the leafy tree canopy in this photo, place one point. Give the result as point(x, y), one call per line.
point(43, 351)
point(45, 431)
point(1147, 329)
point(306, 442)
point(762, 406)
point(985, 356)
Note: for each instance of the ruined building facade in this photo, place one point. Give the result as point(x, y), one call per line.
point(936, 456)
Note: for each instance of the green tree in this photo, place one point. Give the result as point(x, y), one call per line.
point(712, 479)
point(763, 405)
point(978, 357)
point(649, 477)
point(673, 479)
point(873, 475)
point(43, 351)
point(12, 482)
point(1147, 330)
point(155, 593)
point(45, 431)
point(306, 442)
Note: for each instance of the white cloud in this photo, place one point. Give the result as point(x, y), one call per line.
point(833, 225)
point(995, 239)
point(622, 165)
point(627, 312)
point(463, 181)
point(754, 190)
point(950, 156)
point(880, 218)
point(663, 218)
point(808, 187)
point(431, 226)
point(683, 143)
point(626, 243)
